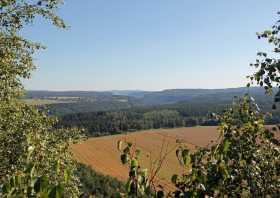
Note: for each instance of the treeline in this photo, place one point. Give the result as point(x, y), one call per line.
point(182, 114)
point(83, 105)
point(114, 122)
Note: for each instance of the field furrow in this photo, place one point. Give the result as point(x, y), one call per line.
point(101, 153)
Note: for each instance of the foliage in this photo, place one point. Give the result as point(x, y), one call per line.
point(96, 184)
point(15, 51)
point(21, 126)
point(113, 122)
point(30, 128)
point(28, 183)
point(138, 183)
point(244, 162)
point(268, 64)
point(167, 118)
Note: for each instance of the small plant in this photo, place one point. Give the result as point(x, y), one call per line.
point(138, 183)
point(142, 182)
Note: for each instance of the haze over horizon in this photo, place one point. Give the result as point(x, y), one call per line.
point(136, 90)
point(150, 45)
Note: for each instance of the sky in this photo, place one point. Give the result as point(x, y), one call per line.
point(150, 44)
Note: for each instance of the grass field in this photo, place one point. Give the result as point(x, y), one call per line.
point(38, 102)
point(101, 153)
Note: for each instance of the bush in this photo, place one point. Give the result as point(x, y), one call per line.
point(96, 184)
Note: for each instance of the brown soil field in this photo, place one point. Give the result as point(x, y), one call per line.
point(101, 153)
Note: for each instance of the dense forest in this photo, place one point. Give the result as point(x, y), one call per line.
point(66, 102)
point(113, 122)
point(111, 112)
point(181, 114)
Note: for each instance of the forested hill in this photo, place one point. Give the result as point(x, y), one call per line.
point(149, 97)
point(69, 102)
point(201, 95)
point(113, 112)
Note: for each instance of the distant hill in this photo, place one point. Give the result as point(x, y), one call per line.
point(126, 111)
point(131, 93)
point(200, 95)
point(89, 101)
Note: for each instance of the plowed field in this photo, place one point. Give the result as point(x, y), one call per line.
point(101, 153)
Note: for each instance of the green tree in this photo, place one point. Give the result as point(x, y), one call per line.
point(267, 64)
point(22, 127)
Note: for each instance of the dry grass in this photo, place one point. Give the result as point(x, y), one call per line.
point(38, 102)
point(101, 153)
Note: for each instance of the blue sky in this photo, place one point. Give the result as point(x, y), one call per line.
point(150, 44)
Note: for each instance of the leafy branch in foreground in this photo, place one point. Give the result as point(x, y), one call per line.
point(29, 182)
point(267, 64)
point(22, 126)
point(244, 162)
point(143, 182)
point(137, 184)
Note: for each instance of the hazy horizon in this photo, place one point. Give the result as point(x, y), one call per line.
point(150, 45)
point(136, 90)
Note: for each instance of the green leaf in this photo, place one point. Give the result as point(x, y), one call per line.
point(126, 150)
point(137, 153)
point(129, 144)
point(17, 180)
point(174, 179)
point(194, 175)
point(30, 169)
point(128, 185)
point(58, 167)
point(224, 170)
point(124, 158)
point(56, 192)
point(268, 32)
point(186, 157)
point(6, 187)
point(226, 146)
point(41, 184)
point(37, 185)
point(144, 172)
point(134, 163)
point(66, 175)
